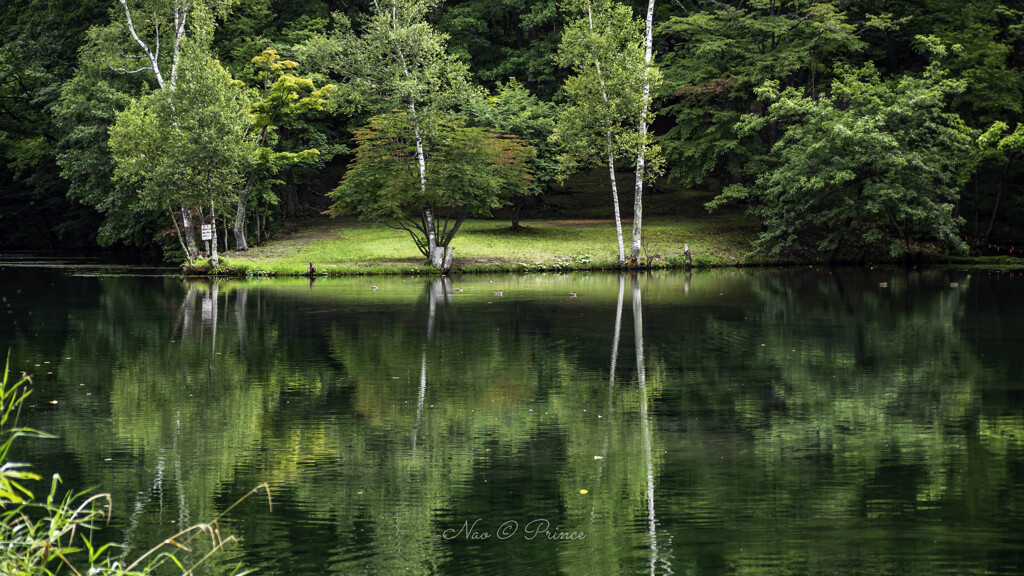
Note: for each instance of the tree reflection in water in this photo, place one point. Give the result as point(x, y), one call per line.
point(785, 420)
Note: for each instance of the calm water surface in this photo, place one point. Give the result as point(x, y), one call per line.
point(728, 422)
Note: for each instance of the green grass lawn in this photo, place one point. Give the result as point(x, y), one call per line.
point(348, 246)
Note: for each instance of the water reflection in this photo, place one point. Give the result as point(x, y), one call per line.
point(645, 428)
point(780, 421)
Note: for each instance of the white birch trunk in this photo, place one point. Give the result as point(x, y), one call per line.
point(449, 255)
point(435, 256)
point(615, 200)
point(180, 8)
point(181, 239)
point(190, 232)
point(152, 55)
point(180, 17)
point(641, 159)
point(611, 152)
point(214, 260)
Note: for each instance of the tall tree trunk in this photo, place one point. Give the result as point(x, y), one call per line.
point(435, 252)
point(291, 196)
point(641, 159)
point(976, 202)
point(435, 255)
point(190, 232)
point(180, 9)
point(999, 197)
point(241, 239)
point(181, 238)
point(265, 221)
point(517, 210)
point(611, 151)
point(241, 242)
point(615, 200)
point(224, 229)
point(214, 260)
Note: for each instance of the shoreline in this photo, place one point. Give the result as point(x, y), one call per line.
point(225, 270)
point(349, 247)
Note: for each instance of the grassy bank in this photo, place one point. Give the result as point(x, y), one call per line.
point(348, 246)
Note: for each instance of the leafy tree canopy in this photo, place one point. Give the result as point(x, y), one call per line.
point(877, 161)
point(186, 146)
point(716, 56)
point(471, 172)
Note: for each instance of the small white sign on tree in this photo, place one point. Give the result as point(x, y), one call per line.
point(207, 232)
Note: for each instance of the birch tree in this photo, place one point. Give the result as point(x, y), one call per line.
point(603, 47)
point(398, 61)
point(648, 157)
point(147, 37)
point(187, 146)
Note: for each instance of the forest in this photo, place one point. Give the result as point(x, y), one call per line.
point(842, 127)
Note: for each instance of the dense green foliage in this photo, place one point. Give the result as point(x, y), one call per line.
point(872, 162)
point(514, 66)
point(187, 146)
point(512, 109)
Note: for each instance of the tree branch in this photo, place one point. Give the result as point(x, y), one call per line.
point(409, 226)
point(145, 49)
point(124, 71)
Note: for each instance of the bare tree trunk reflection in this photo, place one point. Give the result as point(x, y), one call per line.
point(439, 291)
point(188, 307)
point(645, 429)
point(214, 299)
point(241, 305)
point(210, 311)
point(609, 420)
point(142, 500)
point(183, 515)
point(615, 341)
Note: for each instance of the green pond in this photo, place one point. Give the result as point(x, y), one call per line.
point(798, 421)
